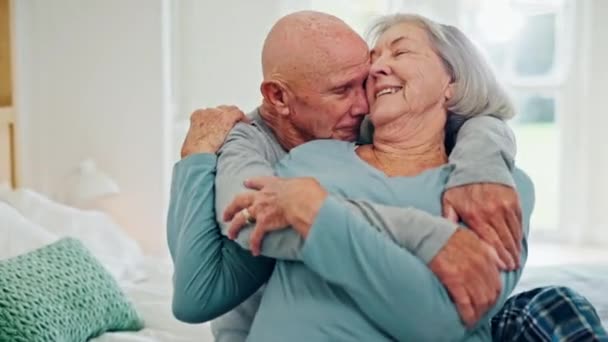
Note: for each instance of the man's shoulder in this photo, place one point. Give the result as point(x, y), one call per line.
point(252, 136)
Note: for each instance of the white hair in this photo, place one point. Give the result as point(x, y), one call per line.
point(476, 89)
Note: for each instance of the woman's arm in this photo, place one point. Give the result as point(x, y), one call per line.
point(212, 274)
point(245, 155)
point(391, 286)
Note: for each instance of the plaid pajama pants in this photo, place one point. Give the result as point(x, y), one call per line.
point(548, 314)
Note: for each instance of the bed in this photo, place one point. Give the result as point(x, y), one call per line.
point(147, 280)
point(590, 280)
point(29, 220)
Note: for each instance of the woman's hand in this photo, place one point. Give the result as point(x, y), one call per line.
point(275, 204)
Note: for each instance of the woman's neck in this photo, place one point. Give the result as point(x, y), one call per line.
point(409, 145)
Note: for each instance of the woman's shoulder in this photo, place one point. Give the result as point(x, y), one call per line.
point(314, 156)
point(323, 147)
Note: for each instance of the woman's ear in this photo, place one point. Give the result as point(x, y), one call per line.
point(276, 95)
point(449, 92)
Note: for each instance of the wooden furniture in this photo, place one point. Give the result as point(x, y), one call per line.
point(8, 149)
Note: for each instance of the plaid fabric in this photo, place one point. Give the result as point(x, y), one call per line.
point(548, 314)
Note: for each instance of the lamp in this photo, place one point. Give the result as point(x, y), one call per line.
point(88, 183)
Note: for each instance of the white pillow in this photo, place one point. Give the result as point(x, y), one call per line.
point(18, 235)
point(121, 255)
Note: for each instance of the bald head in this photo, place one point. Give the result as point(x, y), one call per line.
point(305, 45)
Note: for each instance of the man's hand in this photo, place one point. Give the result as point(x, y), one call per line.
point(468, 268)
point(493, 212)
point(209, 128)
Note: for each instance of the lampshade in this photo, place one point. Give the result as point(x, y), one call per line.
point(89, 183)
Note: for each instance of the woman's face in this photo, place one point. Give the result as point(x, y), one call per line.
point(406, 75)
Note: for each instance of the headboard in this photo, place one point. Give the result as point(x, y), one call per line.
point(8, 146)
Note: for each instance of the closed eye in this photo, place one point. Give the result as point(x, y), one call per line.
point(398, 53)
point(340, 90)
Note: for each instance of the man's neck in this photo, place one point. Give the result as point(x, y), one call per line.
point(286, 133)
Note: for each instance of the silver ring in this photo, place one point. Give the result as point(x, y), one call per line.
point(248, 216)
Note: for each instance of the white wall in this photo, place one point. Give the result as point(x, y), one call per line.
point(91, 81)
point(98, 78)
point(219, 45)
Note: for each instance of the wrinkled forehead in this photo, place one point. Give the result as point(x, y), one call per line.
point(340, 65)
point(405, 33)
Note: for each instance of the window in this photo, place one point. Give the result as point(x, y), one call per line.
point(526, 42)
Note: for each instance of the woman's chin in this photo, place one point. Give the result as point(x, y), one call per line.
point(380, 117)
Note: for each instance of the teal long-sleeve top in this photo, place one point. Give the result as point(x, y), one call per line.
point(198, 170)
point(213, 275)
point(354, 283)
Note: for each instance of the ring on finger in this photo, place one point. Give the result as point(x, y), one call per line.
point(248, 217)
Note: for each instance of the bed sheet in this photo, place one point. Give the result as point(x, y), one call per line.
point(152, 298)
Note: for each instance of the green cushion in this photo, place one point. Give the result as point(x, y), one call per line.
point(61, 293)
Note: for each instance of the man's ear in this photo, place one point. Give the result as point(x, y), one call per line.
point(277, 95)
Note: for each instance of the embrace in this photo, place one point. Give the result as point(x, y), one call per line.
point(372, 196)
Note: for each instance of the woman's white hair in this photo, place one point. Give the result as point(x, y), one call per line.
point(476, 89)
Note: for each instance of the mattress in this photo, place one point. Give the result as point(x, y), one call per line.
point(152, 298)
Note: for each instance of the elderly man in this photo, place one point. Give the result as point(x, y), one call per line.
point(314, 72)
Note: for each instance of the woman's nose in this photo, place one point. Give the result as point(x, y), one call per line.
point(379, 67)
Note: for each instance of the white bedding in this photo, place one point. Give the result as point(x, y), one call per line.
point(152, 298)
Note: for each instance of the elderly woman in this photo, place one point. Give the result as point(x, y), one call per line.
point(354, 283)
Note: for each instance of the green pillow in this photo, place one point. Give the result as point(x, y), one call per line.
point(61, 293)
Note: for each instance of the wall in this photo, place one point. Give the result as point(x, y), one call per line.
point(92, 81)
point(97, 79)
point(219, 45)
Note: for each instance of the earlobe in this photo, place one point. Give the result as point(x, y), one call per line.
point(275, 95)
point(449, 92)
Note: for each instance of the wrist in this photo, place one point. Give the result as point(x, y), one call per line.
point(305, 214)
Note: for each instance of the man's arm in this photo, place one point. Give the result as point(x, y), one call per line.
point(391, 286)
point(480, 189)
point(484, 153)
point(212, 274)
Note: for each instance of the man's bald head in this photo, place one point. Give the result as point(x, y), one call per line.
point(306, 45)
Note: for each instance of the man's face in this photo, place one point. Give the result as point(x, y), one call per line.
point(332, 105)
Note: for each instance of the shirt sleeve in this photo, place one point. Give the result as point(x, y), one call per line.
point(390, 285)
point(484, 153)
point(414, 230)
point(244, 155)
point(212, 274)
